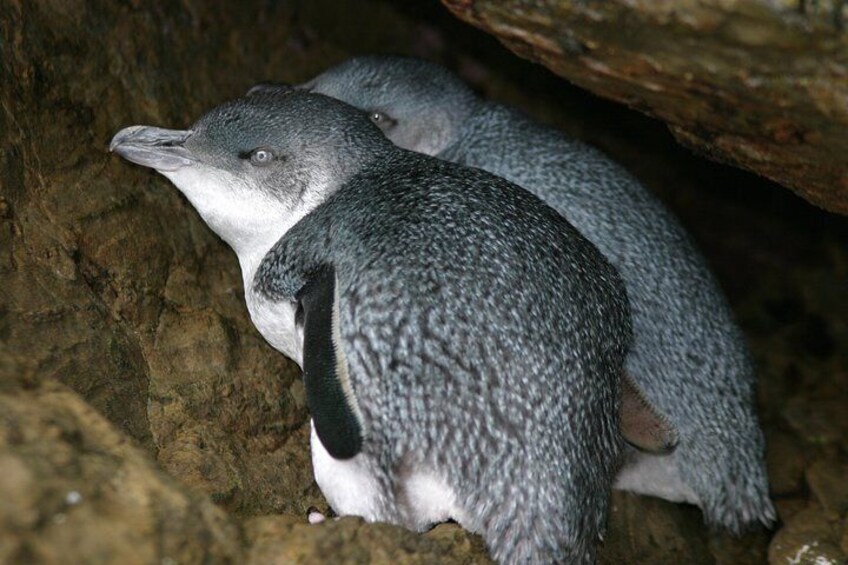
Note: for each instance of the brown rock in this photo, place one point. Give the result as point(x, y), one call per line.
point(788, 507)
point(786, 462)
point(809, 537)
point(461, 542)
point(643, 529)
point(749, 549)
point(819, 418)
point(75, 490)
point(227, 414)
point(286, 539)
point(828, 481)
point(843, 543)
point(755, 84)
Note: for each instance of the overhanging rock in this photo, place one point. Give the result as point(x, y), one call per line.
point(760, 84)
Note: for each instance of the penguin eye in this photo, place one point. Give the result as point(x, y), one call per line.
point(261, 156)
point(381, 120)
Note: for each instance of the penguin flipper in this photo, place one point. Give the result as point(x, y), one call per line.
point(641, 424)
point(332, 403)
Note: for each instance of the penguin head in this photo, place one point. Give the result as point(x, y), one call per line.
point(418, 105)
point(255, 163)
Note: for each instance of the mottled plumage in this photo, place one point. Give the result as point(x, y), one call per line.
point(688, 356)
point(481, 337)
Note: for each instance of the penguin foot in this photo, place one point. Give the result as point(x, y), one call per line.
point(314, 516)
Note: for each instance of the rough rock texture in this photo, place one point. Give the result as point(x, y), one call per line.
point(75, 490)
point(270, 538)
point(111, 286)
point(761, 84)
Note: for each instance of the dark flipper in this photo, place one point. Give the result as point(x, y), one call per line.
point(328, 391)
point(641, 424)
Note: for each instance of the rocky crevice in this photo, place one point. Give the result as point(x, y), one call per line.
point(131, 375)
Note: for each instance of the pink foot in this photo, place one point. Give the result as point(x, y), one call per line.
point(314, 516)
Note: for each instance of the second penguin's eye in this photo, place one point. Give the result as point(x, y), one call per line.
point(381, 120)
point(261, 156)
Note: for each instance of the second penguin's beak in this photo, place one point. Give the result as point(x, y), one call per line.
point(263, 87)
point(157, 148)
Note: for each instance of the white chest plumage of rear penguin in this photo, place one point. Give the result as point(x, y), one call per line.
point(461, 360)
point(688, 356)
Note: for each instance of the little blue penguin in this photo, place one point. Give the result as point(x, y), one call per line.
point(462, 344)
point(688, 355)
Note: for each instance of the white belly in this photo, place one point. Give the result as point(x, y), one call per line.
point(352, 490)
point(275, 321)
point(348, 485)
point(654, 475)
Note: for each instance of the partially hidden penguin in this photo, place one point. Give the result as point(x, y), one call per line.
point(462, 344)
point(688, 356)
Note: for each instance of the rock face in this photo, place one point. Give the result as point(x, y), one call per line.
point(139, 408)
point(75, 490)
point(760, 84)
point(351, 540)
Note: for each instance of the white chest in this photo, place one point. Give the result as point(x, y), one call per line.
point(276, 322)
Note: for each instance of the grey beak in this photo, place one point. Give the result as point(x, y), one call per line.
point(157, 148)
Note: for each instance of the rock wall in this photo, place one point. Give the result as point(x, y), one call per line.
point(75, 490)
point(760, 84)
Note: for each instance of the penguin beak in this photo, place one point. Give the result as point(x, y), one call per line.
point(157, 148)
